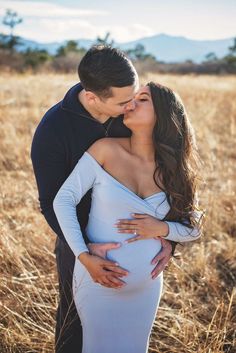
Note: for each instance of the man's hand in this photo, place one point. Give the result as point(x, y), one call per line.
point(162, 258)
point(100, 249)
point(103, 271)
point(143, 226)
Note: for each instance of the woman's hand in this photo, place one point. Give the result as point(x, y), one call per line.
point(103, 271)
point(143, 226)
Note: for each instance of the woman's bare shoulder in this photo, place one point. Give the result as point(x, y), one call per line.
point(106, 147)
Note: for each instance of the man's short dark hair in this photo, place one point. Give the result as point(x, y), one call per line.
point(104, 67)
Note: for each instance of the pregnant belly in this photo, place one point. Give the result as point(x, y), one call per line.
point(136, 258)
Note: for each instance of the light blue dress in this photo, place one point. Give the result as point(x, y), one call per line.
point(114, 320)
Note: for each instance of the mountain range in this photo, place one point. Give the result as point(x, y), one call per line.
point(164, 47)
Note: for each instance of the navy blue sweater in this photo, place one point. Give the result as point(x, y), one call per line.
point(65, 132)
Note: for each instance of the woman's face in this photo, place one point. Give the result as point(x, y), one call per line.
point(143, 114)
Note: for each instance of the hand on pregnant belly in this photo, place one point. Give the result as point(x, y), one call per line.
point(143, 226)
point(100, 249)
point(103, 271)
point(137, 257)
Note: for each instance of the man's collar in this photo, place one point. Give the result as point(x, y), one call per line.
point(72, 104)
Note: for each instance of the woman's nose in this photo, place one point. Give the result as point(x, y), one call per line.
point(130, 106)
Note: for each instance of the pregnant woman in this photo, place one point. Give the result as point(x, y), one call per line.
point(151, 174)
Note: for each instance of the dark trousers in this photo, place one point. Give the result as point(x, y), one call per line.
point(68, 337)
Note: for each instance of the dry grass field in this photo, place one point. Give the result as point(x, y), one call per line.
point(198, 310)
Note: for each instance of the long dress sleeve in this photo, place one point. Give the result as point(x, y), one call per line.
point(180, 232)
point(82, 178)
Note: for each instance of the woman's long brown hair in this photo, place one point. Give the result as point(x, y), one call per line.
point(176, 155)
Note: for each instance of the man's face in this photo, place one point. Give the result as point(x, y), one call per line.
point(121, 101)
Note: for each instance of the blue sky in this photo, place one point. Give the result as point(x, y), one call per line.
point(127, 20)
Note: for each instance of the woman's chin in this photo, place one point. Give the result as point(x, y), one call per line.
point(127, 121)
point(128, 118)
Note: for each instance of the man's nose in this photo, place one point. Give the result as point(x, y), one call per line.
point(130, 105)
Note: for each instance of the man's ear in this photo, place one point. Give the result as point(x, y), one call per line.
point(91, 97)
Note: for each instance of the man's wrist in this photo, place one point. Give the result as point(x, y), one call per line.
point(83, 257)
point(166, 233)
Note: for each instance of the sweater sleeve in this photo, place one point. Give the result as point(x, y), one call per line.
point(49, 164)
point(82, 178)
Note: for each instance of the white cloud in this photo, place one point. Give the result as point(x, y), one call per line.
point(41, 9)
point(47, 22)
point(45, 30)
point(130, 32)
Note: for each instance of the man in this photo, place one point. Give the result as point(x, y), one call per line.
point(90, 110)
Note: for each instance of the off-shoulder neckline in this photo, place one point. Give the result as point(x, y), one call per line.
point(159, 193)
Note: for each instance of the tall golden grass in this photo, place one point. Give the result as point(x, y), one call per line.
point(197, 311)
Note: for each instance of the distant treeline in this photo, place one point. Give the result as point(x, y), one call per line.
point(69, 55)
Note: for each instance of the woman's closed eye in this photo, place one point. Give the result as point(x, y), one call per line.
point(142, 97)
